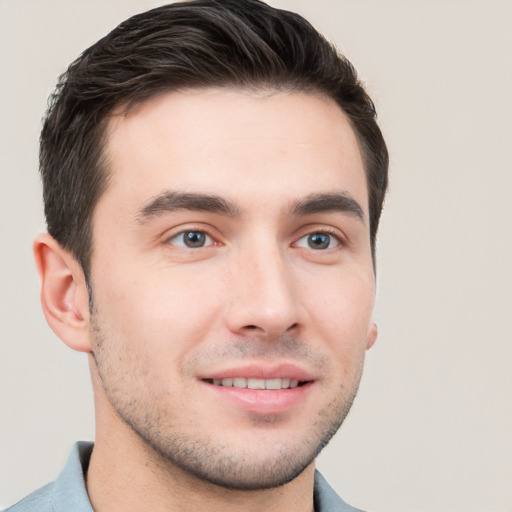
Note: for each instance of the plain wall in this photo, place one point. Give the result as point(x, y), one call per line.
point(431, 429)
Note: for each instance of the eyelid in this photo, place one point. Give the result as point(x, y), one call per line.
point(332, 238)
point(317, 228)
point(181, 230)
point(208, 242)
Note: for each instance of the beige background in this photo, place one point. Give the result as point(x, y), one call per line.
point(432, 427)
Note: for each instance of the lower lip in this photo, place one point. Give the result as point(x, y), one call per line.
point(260, 401)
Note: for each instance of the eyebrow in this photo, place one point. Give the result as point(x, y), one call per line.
point(170, 201)
point(341, 202)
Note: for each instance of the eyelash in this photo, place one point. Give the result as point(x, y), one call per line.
point(191, 230)
point(332, 236)
point(210, 240)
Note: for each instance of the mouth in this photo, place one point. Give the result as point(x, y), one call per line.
point(259, 389)
point(260, 384)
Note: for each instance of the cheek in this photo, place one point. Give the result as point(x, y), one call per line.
point(341, 312)
point(168, 314)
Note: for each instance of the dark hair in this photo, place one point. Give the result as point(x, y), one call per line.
point(202, 43)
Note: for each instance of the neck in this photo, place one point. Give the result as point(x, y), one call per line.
point(131, 479)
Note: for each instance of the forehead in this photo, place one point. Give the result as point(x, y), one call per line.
point(252, 145)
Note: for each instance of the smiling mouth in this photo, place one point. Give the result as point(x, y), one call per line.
point(251, 383)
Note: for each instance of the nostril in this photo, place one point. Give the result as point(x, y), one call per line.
point(252, 327)
point(292, 329)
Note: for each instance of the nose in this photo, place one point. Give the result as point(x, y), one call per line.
point(264, 299)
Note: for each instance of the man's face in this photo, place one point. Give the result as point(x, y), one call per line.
point(232, 253)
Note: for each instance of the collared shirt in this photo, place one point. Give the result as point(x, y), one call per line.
point(68, 493)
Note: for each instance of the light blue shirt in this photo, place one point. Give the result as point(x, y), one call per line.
point(67, 493)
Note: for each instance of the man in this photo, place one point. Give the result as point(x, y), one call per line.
point(213, 180)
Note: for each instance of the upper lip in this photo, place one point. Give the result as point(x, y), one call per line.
point(260, 371)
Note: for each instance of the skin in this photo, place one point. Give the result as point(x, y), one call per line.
point(258, 296)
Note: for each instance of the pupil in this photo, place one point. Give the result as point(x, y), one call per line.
point(319, 241)
point(194, 239)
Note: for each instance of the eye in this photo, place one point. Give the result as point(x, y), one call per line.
point(318, 241)
point(191, 239)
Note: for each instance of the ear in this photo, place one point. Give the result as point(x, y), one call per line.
point(64, 293)
point(371, 336)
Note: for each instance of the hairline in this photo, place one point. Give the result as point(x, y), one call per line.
point(128, 106)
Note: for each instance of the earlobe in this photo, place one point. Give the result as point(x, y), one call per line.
point(371, 336)
point(64, 294)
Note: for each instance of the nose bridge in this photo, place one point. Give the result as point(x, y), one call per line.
point(264, 299)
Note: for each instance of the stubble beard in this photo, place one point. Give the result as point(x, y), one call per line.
point(194, 452)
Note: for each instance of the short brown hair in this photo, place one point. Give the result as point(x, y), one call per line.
point(202, 43)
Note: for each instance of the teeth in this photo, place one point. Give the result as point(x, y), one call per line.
point(274, 384)
point(241, 382)
point(256, 383)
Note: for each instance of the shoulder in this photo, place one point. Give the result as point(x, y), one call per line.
point(326, 498)
point(38, 501)
point(67, 493)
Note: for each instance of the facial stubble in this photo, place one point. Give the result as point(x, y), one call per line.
point(180, 445)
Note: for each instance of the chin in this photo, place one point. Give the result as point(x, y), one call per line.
point(267, 461)
point(243, 471)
